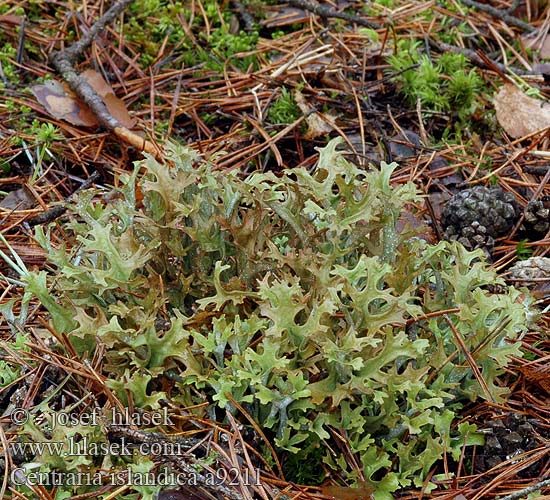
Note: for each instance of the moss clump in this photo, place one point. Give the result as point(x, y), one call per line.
point(447, 84)
point(155, 22)
point(226, 45)
point(284, 110)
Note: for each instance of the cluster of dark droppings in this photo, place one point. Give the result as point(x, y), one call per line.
point(472, 236)
point(478, 215)
point(536, 219)
point(507, 437)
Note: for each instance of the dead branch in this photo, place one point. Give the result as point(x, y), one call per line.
point(326, 12)
point(55, 212)
point(63, 61)
point(500, 14)
point(537, 170)
point(526, 491)
point(474, 57)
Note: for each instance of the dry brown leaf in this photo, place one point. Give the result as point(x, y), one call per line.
point(63, 104)
point(520, 114)
point(116, 106)
point(20, 199)
point(96, 81)
point(317, 124)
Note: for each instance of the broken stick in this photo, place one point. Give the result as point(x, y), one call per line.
point(63, 61)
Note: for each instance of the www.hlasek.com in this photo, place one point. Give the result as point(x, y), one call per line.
point(162, 477)
point(81, 446)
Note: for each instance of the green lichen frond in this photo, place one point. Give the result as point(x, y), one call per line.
point(298, 296)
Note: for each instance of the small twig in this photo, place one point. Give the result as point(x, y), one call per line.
point(536, 170)
point(64, 60)
point(476, 59)
point(21, 42)
point(326, 12)
point(421, 128)
point(72, 53)
point(435, 224)
point(513, 6)
point(500, 14)
point(526, 491)
point(55, 212)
